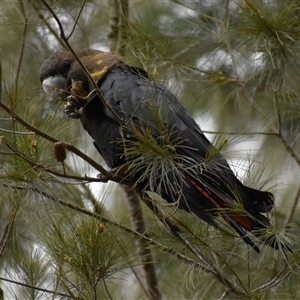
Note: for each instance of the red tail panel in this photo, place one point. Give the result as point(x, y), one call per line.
point(223, 206)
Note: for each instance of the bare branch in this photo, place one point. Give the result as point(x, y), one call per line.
point(277, 111)
point(22, 45)
point(36, 288)
point(77, 18)
point(17, 132)
point(123, 28)
point(114, 21)
point(7, 230)
point(288, 148)
point(0, 82)
point(240, 133)
point(293, 210)
point(143, 247)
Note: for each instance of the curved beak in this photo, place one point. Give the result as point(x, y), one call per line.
point(55, 86)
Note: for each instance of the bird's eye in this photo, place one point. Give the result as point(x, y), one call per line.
point(65, 64)
point(64, 68)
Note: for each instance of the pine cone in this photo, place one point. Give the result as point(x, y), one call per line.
point(59, 151)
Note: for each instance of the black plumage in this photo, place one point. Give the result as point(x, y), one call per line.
point(163, 147)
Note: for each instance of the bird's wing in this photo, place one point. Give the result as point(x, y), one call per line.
point(151, 106)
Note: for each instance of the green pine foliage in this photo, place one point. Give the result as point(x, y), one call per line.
point(66, 233)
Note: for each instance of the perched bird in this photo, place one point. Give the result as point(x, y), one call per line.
point(138, 123)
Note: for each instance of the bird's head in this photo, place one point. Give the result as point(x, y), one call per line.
point(61, 72)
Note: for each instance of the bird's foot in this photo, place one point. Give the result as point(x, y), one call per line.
point(72, 108)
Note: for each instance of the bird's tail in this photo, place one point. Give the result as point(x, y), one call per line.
point(243, 221)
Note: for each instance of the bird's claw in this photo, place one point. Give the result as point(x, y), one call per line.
point(72, 107)
point(73, 100)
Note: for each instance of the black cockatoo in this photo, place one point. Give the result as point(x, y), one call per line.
point(140, 124)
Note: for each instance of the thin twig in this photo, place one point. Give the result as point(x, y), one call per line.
point(226, 22)
point(113, 21)
point(0, 82)
point(45, 21)
point(123, 28)
point(106, 289)
point(240, 133)
point(7, 230)
point(77, 19)
point(277, 111)
point(274, 281)
point(224, 295)
point(288, 148)
point(198, 11)
point(17, 132)
point(22, 46)
point(36, 288)
point(6, 153)
point(293, 210)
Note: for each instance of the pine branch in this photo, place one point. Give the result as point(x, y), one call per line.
point(292, 212)
point(143, 247)
point(123, 27)
point(7, 230)
point(84, 211)
point(49, 170)
point(52, 139)
point(114, 16)
point(23, 44)
point(119, 29)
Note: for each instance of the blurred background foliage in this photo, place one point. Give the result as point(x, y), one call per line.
point(235, 65)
